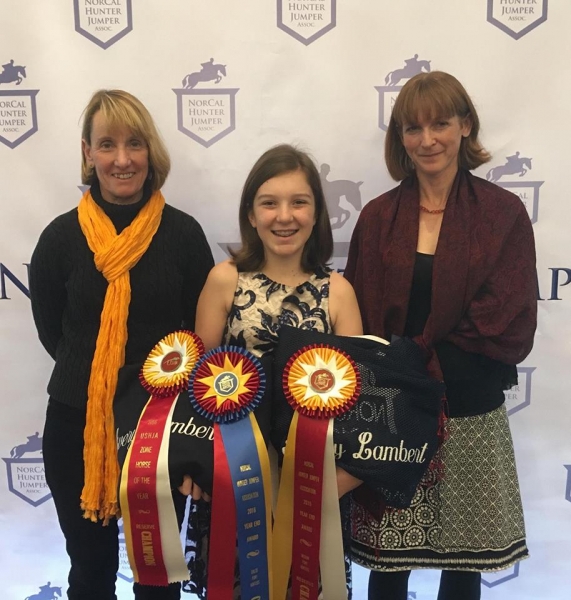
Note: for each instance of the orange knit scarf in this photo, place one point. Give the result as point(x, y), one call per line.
point(114, 256)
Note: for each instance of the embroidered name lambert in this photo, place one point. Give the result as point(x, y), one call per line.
point(388, 453)
point(199, 431)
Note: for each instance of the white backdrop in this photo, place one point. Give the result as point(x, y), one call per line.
point(311, 73)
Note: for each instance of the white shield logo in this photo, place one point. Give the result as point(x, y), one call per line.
point(103, 23)
point(124, 572)
point(517, 18)
point(27, 480)
point(387, 98)
point(18, 116)
point(520, 395)
point(491, 580)
point(307, 22)
point(568, 488)
point(206, 116)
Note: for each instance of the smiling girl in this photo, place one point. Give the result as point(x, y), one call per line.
point(279, 275)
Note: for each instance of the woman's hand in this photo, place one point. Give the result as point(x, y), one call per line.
point(345, 482)
point(189, 488)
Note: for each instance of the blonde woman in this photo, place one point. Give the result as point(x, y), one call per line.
point(107, 280)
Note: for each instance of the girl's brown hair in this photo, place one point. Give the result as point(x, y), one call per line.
point(277, 161)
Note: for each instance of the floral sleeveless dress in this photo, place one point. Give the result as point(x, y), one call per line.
point(261, 306)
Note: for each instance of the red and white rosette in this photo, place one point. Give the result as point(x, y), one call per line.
point(167, 369)
point(150, 523)
point(320, 382)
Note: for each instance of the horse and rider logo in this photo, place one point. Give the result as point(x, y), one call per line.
point(306, 22)
point(209, 72)
point(12, 73)
point(412, 67)
point(34, 444)
point(26, 477)
point(337, 190)
point(18, 116)
point(103, 23)
point(515, 164)
point(517, 18)
point(528, 191)
point(206, 115)
point(47, 592)
point(388, 93)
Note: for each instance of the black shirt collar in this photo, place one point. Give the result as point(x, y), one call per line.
point(121, 215)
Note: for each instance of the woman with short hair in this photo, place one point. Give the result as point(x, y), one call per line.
point(448, 259)
point(107, 280)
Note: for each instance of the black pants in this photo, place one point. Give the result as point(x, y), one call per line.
point(454, 585)
point(92, 548)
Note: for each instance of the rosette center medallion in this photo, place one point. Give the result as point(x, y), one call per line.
point(321, 382)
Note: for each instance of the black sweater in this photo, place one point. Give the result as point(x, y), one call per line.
point(67, 292)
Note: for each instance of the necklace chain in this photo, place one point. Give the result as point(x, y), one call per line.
point(436, 211)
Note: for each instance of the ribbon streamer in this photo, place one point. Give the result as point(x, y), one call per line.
point(150, 523)
point(226, 386)
point(320, 382)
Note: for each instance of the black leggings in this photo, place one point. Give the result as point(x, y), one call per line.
point(92, 549)
point(454, 585)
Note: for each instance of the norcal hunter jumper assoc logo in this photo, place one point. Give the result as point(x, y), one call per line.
point(491, 580)
point(520, 395)
point(388, 93)
point(18, 115)
point(568, 487)
point(528, 191)
point(103, 22)
point(307, 21)
point(517, 17)
point(206, 114)
point(26, 475)
point(124, 571)
point(47, 592)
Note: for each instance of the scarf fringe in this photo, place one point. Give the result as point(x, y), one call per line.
point(114, 256)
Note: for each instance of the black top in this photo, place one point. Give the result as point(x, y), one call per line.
point(420, 295)
point(475, 384)
point(67, 291)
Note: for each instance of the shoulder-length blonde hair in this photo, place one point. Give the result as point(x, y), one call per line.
point(431, 96)
point(274, 162)
point(121, 108)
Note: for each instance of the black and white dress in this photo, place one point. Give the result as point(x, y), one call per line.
point(470, 518)
point(261, 306)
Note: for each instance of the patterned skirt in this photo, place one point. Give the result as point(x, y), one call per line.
point(469, 520)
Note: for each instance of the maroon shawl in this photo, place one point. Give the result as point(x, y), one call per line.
point(484, 287)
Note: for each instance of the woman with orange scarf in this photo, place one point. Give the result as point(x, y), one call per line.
point(107, 280)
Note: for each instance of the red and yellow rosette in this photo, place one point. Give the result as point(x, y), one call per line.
point(226, 386)
point(150, 523)
point(320, 382)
